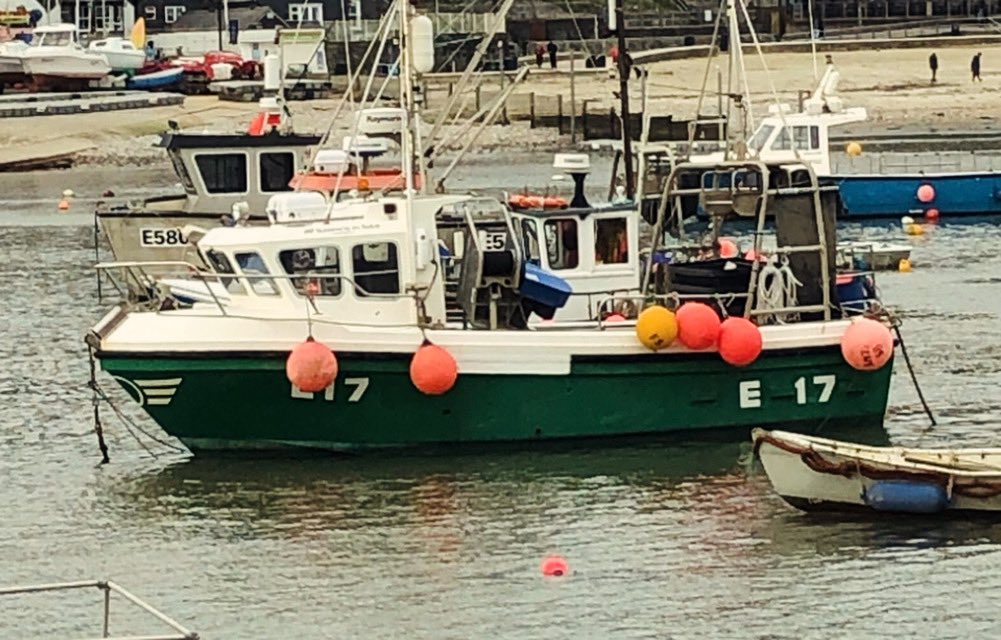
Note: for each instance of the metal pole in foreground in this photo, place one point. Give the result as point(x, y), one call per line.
point(627, 141)
point(573, 99)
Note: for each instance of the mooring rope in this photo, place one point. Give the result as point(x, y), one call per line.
point(914, 377)
point(98, 395)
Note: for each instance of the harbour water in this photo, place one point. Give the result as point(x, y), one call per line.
point(678, 539)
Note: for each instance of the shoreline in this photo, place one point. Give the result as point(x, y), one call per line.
point(897, 94)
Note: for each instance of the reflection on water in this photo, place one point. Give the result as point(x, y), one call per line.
point(677, 538)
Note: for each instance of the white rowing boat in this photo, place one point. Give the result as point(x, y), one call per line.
point(816, 474)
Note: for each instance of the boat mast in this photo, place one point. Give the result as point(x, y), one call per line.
point(624, 70)
point(406, 99)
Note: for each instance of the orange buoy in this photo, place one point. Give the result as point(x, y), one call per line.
point(728, 248)
point(739, 341)
point(926, 193)
point(63, 205)
point(555, 566)
point(433, 370)
point(656, 327)
point(555, 202)
point(311, 366)
point(698, 325)
point(931, 215)
point(867, 344)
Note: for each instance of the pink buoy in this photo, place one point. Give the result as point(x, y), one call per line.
point(698, 325)
point(739, 341)
point(433, 370)
point(867, 344)
point(311, 366)
point(926, 193)
point(615, 317)
point(931, 215)
point(555, 566)
point(728, 248)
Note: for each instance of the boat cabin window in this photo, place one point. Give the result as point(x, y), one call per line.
point(55, 39)
point(322, 263)
point(611, 241)
point(561, 243)
point(803, 138)
point(223, 172)
point(530, 240)
point(221, 265)
point(252, 266)
point(181, 170)
point(376, 269)
point(276, 170)
point(760, 137)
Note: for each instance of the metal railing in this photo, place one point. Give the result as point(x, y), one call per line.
point(179, 632)
point(919, 162)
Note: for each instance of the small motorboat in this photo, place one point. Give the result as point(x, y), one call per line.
point(874, 256)
point(817, 474)
point(156, 79)
point(120, 53)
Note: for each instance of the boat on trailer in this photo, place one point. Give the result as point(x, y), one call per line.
point(818, 474)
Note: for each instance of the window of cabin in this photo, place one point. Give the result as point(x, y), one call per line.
point(530, 240)
point(760, 137)
point(611, 241)
point(376, 269)
point(814, 137)
point(223, 172)
point(803, 138)
point(252, 265)
point(221, 265)
point(318, 268)
point(181, 170)
point(561, 243)
point(276, 169)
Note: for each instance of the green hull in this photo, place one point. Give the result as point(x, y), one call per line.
point(244, 401)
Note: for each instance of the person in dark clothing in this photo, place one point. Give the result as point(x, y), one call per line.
point(975, 67)
point(540, 53)
point(933, 65)
point(552, 49)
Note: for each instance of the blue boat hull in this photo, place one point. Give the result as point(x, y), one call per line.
point(955, 194)
point(155, 80)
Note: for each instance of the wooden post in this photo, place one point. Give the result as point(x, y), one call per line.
point(573, 99)
point(559, 112)
point(478, 98)
point(583, 120)
point(531, 110)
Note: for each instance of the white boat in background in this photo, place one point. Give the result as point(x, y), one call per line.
point(55, 60)
point(817, 474)
point(120, 53)
point(874, 255)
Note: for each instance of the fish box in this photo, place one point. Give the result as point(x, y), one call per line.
point(543, 287)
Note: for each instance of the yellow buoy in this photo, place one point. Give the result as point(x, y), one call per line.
point(914, 230)
point(853, 149)
point(656, 327)
point(904, 266)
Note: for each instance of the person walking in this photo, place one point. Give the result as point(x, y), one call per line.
point(975, 67)
point(540, 53)
point(933, 65)
point(552, 49)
